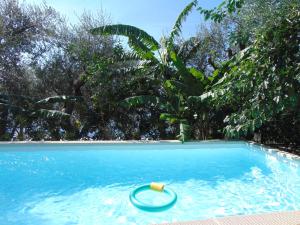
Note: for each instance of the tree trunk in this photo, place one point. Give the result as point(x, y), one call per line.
point(3, 123)
point(72, 131)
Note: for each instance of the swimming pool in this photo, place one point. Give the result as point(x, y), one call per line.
point(89, 184)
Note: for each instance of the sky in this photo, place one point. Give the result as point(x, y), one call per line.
point(157, 17)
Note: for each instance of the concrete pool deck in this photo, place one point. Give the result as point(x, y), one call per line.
point(277, 218)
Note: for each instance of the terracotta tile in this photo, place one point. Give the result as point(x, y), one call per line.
point(281, 218)
point(203, 222)
point(284, 218)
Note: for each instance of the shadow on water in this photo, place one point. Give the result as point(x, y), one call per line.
point(51, 168)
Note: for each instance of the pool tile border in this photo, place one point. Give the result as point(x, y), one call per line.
point(263, 147)
point(282, 153)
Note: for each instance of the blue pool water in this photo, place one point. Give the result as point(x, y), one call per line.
point(89, 184)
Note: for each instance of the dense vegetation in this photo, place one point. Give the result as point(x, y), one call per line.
point(238, 77)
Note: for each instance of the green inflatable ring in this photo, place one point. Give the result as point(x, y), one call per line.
point(152, 208)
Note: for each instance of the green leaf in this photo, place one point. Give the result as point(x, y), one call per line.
point(176, 86)
point(181, 18)
point(178, 63)
point(141, 50)
point(49, 114)
point(12, 108)
point(185, 130)
point(128, 31)
point(189, 53)
point(59, 99)
point(171, 118)
point(198, 75)
point(141, 100)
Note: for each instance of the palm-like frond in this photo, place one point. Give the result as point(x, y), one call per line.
point(58, 99)
point(128, 31)
point(199, 76)
point(140, 100)
point(199, 99)
point(176, 87)
point(189, 48)
point(184, 131)
point(21, 98)
point(178, 63)
point(12, 108)
point(26, 106)
point(141, 50)
point(181, 18)
point(49, 114)
point(192, 78)
point(171, 118)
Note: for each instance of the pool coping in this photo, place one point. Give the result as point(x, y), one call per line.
point(273, 218)
point(87, 142)
point(93, 142)
point(265, 147)
point(270, 149)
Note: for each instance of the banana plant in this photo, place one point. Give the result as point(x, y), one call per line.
point(25, 109)
point(177, 80)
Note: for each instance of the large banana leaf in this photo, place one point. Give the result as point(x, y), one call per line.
point(27, 106)
point(128, 31)
point(41, 113)
point(58, 99)
point(23, 98)
point(49, 114)
point(141, 100)
point(176, 87)
point(178, 63)
point(12, 108)
point(148, 100)
point(185, 130)
point(199, 76)
point(181, 18)
point(141, 49)
point(171, 118)
point(4, 100)
point(186, 53)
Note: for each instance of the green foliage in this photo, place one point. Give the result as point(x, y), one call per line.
point(171, 118)
point(240, 71)
point(180, 19)
point(262, 82)
point(138, 101)
point(226, 8)
point(140, 49)
point(177, 80)
point(49, 114)
point(58, 99)
point(184, 131)
point(129, 31)
point(254, 14)
point(26, 110)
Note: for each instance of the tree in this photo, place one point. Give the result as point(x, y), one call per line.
point(74, 52)
point(219, 13)
point(178, 81)
point(23, 32)
point(26, 113)
point(262, 84)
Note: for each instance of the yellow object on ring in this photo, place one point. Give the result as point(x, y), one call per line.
point(157, 186)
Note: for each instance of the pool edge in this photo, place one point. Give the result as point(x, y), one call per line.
point(116, 142)
point(273, 218)
point(270, 149)
point(88, 142)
